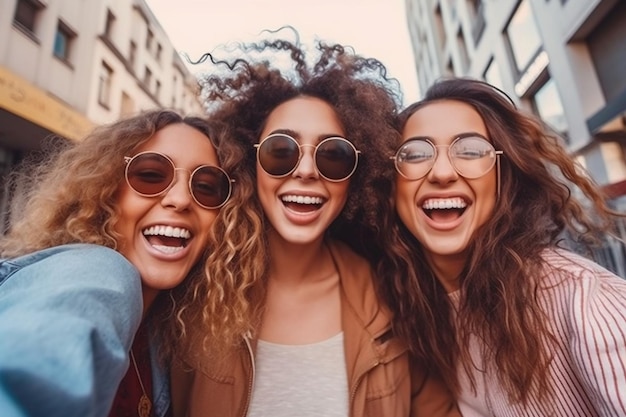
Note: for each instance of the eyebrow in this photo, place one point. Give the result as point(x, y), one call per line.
point(298, 136)
point(456, 136)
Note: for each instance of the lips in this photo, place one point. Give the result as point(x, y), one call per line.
point(167, 239)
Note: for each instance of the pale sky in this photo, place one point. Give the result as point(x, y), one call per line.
point(374, 28)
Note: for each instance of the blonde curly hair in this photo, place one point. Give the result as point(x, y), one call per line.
point(71, 196)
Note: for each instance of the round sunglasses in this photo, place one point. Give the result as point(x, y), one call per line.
point(335, 158)
point(471, 157)
point(151, 174)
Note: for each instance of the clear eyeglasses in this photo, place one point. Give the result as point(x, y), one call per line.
point(471, 157)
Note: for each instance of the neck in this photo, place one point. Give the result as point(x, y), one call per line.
point(148, 295)
point(447, 269)
point(294, 262)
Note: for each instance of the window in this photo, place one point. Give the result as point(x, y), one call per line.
point(109, 26)
point(147, 77)
point(449, 68)
point(26, 14)
point(128, 105)
point(159, 50)
point(460, 42)
point(475, 8)
point(492, 74)
point(523, 36)
point(63, 41)
point(104, 86)
point(549, 106)
point(157, 89)
point(439, 27)
point(149, 39)
point(132, 55)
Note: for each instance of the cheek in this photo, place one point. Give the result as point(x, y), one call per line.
point(405, 192)
point(127, 206)
point(339, 190)
point(405, 201)
point(207, 219)
point(266, 187)
point(486, 196)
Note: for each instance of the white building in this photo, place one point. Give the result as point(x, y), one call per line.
point(67, 65)
point(564, 60)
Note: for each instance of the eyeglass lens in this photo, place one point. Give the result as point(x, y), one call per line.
point(472, 157)
point(150, 174)
point(335, 158)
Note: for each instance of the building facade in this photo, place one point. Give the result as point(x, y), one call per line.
point(564, 60)
point(68, 65)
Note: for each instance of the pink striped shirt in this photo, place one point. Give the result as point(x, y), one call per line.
point(586, 309)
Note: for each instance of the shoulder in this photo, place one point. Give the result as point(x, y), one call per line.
point(83, 251)
point(345, 256)
point(563, 266)
point(355, 272)
point(575, 285)
point(77, 264)
point(358, 284)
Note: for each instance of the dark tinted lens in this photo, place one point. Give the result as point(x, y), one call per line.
point(149, 173)
point(278, 155)
point(335, 158)
point(210, 186)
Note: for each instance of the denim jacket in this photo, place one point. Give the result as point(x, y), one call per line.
point(68, 315)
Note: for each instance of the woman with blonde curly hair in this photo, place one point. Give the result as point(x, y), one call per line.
point(483, 287)
point(295, 326)
point(108, 225)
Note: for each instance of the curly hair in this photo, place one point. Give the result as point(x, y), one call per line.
point(229, 305)
point(71, 196)
point(534, 209)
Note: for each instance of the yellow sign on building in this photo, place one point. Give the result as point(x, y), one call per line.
point(20, 97)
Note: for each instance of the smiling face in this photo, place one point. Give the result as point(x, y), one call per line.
point(443, 210)
point(302, 205)
point(164, 236)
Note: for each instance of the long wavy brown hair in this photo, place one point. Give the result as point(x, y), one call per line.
point(241, 93)
point(500, 280)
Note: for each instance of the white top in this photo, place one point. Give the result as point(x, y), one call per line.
point(586, 310)
point(300, 380)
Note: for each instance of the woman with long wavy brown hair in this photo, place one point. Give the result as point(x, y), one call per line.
point(482, 288)
point(291, 323)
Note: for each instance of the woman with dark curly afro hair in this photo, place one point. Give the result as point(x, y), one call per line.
point(295, 326)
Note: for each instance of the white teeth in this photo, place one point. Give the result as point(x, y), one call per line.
point(444, 203)
point(167, 231)
point(300, 199)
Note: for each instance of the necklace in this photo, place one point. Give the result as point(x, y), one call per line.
point(144, 406)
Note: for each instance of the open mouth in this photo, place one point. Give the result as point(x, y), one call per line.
point(444, 209)
point(167, 239)
point(302, 203)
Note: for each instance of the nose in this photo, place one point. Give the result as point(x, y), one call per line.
point(178, 196)
point(306, 168)
point(442, 170)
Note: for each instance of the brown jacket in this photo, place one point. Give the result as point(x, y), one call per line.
point(381, 381)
